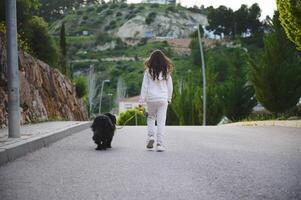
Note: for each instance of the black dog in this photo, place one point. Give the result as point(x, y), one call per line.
point(103, 128)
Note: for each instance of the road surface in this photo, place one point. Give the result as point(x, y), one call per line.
point(210, 163)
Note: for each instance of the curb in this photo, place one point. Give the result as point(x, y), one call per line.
point(283, 123)
point(21, 148)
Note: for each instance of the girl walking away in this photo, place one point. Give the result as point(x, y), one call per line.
point(156, 91)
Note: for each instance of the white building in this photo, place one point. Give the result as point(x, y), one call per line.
point(129, 103)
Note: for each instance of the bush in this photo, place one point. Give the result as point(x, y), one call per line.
point(102, 38)
point(120, 44)
point(109, 12)
point(112, 6)
point(141, 8)
point(104, 6)
point(79, 12)
point(40, 41)
point(99, 9)
point(118, 14)
point(130, 16)
point(21, 42)
point(113, 23)
point(128, 118)
point(90, 9)
point(155, 5)
point(171, 9)
point(80, 86)
point(85, 17)
point(132, 6)
point(150, 18)
point(124, 5)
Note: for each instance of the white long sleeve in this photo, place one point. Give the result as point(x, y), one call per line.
point(169, 88)
point(144, 88)
point(155, 90)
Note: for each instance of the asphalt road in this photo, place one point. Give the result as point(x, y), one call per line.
point(211, 163)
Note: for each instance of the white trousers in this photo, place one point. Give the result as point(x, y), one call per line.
point(157, 111)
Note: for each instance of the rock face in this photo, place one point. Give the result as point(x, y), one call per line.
point(172, 25)
point(45, 94)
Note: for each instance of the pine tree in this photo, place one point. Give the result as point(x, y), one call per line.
point(277, 75)
point(238, 94)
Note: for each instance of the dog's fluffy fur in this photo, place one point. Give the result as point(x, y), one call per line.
point(103, 128)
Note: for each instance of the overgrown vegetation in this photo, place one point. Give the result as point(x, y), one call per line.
point(290, 18)
point(130, 117)
point(277, 75)
point(81, 86)
point(262, 57)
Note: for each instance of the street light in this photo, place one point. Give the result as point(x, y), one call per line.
point(13, 70)
point(204, 76)
point(102, 85)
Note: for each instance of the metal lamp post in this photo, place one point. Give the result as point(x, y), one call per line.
point(100, 98)
point(13, 70)
point(204, 76)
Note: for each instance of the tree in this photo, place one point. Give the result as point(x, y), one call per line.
point(25, 10)
point(33, 30)
point(254, 23)
point(290, 18)
point(237, 95)
point(277, 75)
point(40, 41)
point(240, 18)
point(223, 21)
point(56, 9)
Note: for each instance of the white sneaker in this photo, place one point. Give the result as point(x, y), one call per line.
point(160, 148)
point(150, 142)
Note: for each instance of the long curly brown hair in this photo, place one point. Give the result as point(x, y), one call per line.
point(157, 63)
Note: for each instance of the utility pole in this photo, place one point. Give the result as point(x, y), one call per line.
point(204, 76)
point(101, 91)
point(13, 70)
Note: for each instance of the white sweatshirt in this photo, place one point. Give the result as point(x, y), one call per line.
point(155, 90)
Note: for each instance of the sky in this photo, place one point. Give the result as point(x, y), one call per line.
point(267, 6)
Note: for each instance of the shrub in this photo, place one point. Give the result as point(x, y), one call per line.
point(80, 86)
point(130, 16)
point(118, 14)
point(85, 17)
point(113, 23)
point(128, 118)
point(171, 9)
point(90, 9)
point(132, 6)
point(112, 6)
point(104, 6)
point(21, 42)
point(40, 41)
point(155, 5)
point(141, 8)
point(109, 12)
point(150, 18)
point(123, 5)
point(79, 12)
point(99, 9)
